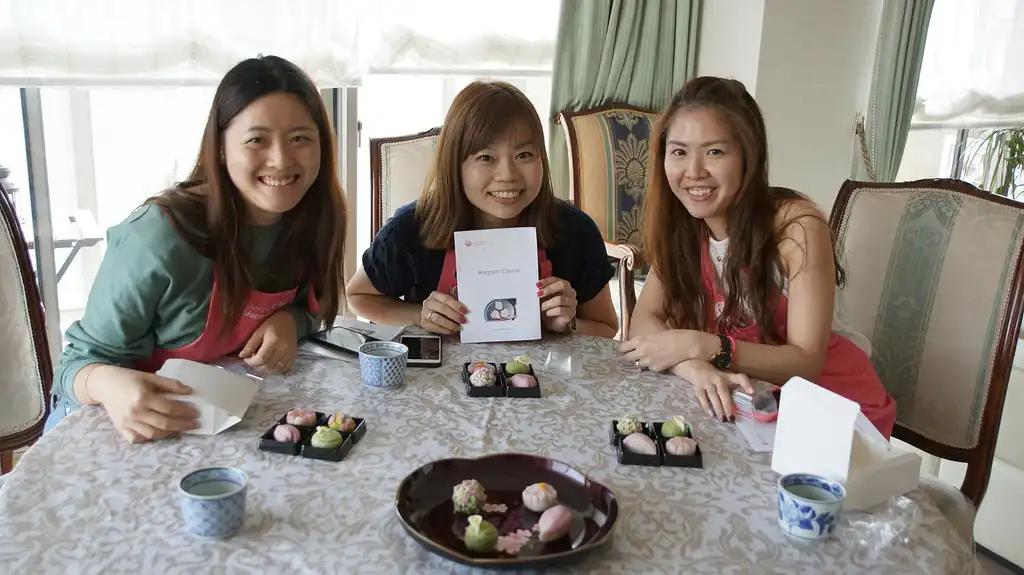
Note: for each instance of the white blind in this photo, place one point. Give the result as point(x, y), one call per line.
point(973, 69)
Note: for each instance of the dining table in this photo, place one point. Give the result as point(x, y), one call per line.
point(83, 500)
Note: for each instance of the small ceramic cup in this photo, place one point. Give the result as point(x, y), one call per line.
point(809, 506)
point(213, 501)
point(382, 363)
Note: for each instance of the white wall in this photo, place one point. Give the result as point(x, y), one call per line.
point(808, 63)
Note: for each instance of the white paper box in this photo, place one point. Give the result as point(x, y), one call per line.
point(822, 433)
point(220, 396)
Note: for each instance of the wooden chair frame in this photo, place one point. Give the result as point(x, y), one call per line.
point(978, 459)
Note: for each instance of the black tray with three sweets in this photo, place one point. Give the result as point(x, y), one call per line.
point(502, 385)
point(663, 457)
point(304, 449)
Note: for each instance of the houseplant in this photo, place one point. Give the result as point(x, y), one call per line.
point(994, 161)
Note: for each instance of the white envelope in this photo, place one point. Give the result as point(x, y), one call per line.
point(823, 433)
point(220, 396)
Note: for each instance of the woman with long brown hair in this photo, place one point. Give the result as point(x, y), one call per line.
point(244, 257)
point(490, 170)
point(744, 274)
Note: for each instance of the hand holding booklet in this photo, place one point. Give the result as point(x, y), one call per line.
point(497, 273)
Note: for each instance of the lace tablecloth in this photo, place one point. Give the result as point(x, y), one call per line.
point(84, 501)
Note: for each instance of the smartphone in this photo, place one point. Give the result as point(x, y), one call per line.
point(762, 406)
point(341, 339)
point(424, 350)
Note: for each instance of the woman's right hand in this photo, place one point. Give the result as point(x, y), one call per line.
point(443, 314)
point(714, 387)
point(138, 406)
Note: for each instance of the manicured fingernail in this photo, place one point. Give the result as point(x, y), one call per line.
point(540, 292)
point(463, 320)
point(721, 418)
point(463, 309)
point(732, 418)
point(538, 284)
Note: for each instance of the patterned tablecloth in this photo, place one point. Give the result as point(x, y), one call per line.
point(83, 501)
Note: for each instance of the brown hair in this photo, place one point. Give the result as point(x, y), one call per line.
point(480, 114)
point(211, 220)
point(673, 238)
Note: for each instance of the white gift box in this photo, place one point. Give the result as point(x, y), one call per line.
point(822, 433)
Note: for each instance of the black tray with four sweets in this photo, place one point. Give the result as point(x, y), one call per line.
point(502, 384)
point(304, 448)
point(663, 457)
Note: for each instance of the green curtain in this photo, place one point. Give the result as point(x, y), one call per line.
point(636, 52)
point(901, 40)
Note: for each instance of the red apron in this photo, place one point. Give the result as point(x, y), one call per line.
point(449, 284)
point(212, 344)
point(848, 371)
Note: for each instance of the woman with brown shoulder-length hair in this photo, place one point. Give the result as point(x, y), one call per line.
point(744, 273)
point(244, 257)
point(490, 170)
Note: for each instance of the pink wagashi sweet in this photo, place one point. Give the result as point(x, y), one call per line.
point(482, 378)
point(286, 433)
point(479, 365)
point(554, 523)
point(301, 417)
point(341, 422)
point(681, 446)
point(523, 380)
point(539, 497)
point(640, 443)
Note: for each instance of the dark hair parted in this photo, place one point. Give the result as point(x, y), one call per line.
point(674, 241)
point(210, 213)
point(479, 115)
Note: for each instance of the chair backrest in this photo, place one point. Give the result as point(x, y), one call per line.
point(608, 148)
point(934, 281)
point(24, 354)
point(398, 167)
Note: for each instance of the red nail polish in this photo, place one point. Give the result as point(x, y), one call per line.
point(538, 284)
point(463, 320)
point(540, 292)
point(463, 309)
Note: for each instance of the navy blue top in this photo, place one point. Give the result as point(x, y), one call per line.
point(401, 268)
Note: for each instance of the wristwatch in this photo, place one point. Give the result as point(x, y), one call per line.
point(722, 359)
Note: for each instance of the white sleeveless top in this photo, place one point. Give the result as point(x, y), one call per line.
point(719, 249)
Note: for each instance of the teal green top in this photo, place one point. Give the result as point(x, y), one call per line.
point(152, 291)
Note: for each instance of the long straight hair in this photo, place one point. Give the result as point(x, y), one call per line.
point(674, 239)
point(310, 249)
point(480, 114)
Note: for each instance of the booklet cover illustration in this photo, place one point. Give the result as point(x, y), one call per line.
point(501, 310)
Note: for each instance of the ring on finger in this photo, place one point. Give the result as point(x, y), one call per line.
point(430, 317)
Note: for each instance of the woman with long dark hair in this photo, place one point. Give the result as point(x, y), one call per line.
point(244, 257)
point(744, 274)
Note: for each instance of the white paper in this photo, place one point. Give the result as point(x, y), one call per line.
point(220, 396)
point(814, 431)
point(376, 331)
point(497, 274)
point(760, 435)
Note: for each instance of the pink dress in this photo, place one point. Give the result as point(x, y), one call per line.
point(848, 371)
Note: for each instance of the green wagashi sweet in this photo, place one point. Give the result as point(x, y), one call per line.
point(518, 365)
point(628, 424)
point(675, 427)
point(326, 438)
point(481, 536)
point(468, 496)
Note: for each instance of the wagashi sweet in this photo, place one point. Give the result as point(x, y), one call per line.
point(681, 446)
point(539, 497)
point(640, 443)
point(674, 427)
point(300, 417)
point(286, 433)
point(326, 438)
point(341, 422)
point(468, 496)
point(482, 378)
point(628, 424)
point(523, 380)
point(477, 366)
point(481, 536)
point(554, 523)
point(519, 364)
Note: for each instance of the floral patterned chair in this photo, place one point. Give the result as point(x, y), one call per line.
point(608, 148)
point(398, 166)
point(24, 354)
point(935, 282)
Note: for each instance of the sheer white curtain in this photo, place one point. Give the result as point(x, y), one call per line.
point(461, 34)
point(194, 42)
point(973, 69)
point(184, 42)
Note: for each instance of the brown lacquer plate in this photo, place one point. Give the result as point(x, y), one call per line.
point(424, 504)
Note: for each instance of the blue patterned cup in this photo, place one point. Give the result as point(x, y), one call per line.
point(809, 506)
point(213, 501)
point(382, 363)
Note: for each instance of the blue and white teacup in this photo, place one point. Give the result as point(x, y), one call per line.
point(213, 501)
point(809, 506)
point(382, 363)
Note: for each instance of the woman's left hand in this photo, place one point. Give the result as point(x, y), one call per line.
point(558, 303)
point(274, 345)
point(664, 350)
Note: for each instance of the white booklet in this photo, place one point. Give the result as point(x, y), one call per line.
point(220, 396)
point(497, 274)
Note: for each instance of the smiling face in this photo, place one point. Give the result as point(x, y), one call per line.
point(272, 154)
point(503, 179)
point(703, 165)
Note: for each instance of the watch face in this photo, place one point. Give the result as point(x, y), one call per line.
point(721, 361)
